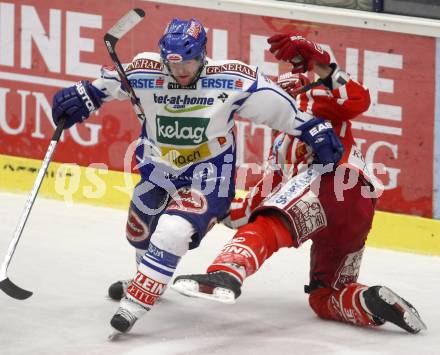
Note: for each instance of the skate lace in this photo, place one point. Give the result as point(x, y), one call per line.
point(126, 314)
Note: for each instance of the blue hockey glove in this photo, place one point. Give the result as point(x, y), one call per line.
point(321, 137)
point(76, 102)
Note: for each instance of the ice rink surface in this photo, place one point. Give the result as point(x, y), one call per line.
point(69, 255)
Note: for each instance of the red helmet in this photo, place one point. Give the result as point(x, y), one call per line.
point(293, 84)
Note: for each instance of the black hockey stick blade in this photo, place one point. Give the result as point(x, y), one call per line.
point(12, 290)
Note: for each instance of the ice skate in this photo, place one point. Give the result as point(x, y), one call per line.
point(118, 289)
point(127, 314)
point(384, 304)
point(218, 286)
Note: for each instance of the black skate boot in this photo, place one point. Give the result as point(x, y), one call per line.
point(118, 289)
point(386, 305)
point(218, 286)
point(127, 314)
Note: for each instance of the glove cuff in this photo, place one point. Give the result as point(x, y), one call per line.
point(336, 78)
point(90, 95)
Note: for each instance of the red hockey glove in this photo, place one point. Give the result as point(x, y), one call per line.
point(298, 51)
point(293, 84)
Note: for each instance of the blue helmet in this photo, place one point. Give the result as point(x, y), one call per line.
point(183, 40)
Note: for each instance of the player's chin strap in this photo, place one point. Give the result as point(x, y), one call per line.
point(199, 72)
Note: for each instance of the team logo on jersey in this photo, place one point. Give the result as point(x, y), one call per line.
point(222, 83)
point(146, 64)
point(177, 86)
point(183, 103)
point(140, 82)
point(301, 150)
point(223, 97)
point(181, 130)
point(159, 83)
point(231, 67)
point(179, 157)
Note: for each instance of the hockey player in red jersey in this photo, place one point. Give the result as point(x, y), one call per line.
point(333, 208)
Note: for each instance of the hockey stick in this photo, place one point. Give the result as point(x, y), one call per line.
point(310, 86)
point(111, 38)
point(6, 285)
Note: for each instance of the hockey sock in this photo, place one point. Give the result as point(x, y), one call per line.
point(343, 305)
point(139, 255)
point(155, 270)
point(251, 246)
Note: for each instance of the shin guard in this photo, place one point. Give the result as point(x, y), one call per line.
point(251, 246)
point(343, 305)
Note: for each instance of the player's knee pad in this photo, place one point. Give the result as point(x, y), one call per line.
point(334, 264)
point(173, 234)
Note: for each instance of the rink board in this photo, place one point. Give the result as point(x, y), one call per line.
point(97, 186)
point(68, 182)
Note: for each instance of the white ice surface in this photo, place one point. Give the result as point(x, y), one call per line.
point(69, 255)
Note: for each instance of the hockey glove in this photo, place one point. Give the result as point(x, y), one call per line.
point(299, 51)
point(321, 137)
point(293, 84)
point(76, 102)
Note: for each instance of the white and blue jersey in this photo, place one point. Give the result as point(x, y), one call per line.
point(187, 133)
point(194, 124)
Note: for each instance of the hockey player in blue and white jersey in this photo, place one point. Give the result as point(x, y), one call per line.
point(186, 149)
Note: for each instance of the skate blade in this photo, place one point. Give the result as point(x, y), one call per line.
point(190, 288)
point(114, 335)
point(410, 315)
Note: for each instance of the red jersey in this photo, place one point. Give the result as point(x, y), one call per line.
point(289, 154)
